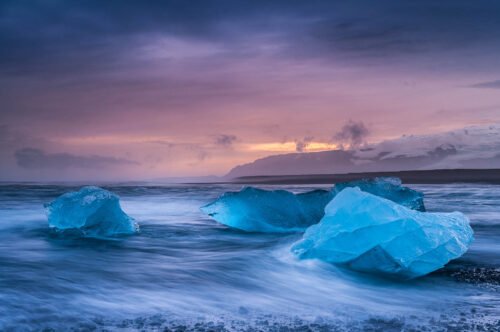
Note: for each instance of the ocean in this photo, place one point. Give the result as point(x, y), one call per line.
point(184, 271)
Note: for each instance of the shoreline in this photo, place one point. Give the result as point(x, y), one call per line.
point(445, 176)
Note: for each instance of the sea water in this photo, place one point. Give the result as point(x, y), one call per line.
point(184, 271)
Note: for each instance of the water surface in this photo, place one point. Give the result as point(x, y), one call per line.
point(185, 271)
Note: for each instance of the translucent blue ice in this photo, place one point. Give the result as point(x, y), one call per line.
point(93, 211)
point(371, 234)
point(258, 210)
point(387, 187)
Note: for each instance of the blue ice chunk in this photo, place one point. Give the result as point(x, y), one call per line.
point(258, 210)
point(387, 187)
point(93, 211)
point(372, 234)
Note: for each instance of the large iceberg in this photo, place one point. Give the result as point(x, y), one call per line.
point(92, 211)
point(258, 210)
point(387, 187)
point(372, 234)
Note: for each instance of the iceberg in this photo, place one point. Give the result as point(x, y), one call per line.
point(258, 210)
point(387, 187)
point(368, 233)
point(92, 211)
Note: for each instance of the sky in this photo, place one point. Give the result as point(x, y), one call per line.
point(118, 89)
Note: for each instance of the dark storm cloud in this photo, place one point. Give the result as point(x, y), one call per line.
point(405, 28)
point(93, 34)
point(35, 158)
point(487, 85)
point(225, 140)
point(61, 36)
point(352, 133)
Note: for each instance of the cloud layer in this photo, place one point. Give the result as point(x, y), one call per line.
point(194, 88)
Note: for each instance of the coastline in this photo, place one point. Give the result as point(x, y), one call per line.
point(444, 176)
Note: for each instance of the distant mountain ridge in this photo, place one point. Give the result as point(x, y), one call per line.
point(471, 147)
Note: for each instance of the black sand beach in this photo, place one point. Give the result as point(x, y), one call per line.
point(491, 176)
